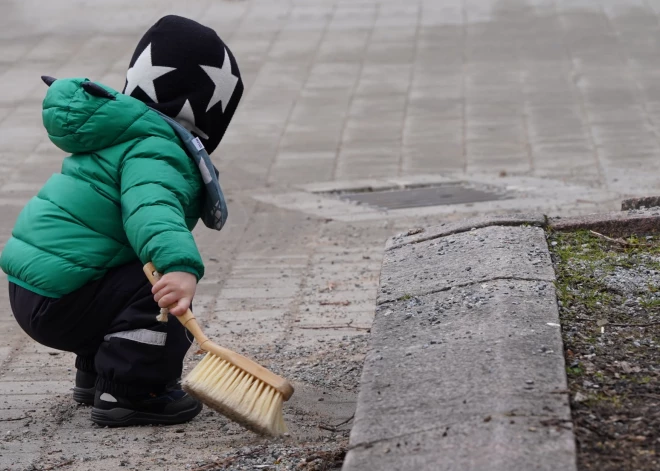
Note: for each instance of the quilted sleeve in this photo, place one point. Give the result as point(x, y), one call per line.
point(154, 193)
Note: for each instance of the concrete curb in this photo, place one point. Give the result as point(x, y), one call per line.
point(613, 224)
point(466, 367)
point(639, 203)
point(421, 234)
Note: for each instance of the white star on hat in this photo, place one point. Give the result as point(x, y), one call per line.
point(143, 74)
point(224, 81)
point(186, 118)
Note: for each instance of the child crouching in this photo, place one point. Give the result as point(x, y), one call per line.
point(129, 193)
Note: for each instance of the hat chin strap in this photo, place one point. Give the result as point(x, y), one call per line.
point(191, 127)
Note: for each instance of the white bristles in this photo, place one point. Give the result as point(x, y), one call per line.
point(237, 395)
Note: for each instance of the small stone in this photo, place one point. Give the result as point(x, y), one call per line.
point(579, 397)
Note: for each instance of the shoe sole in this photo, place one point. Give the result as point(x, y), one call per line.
point(120, 417)
point(84, 395)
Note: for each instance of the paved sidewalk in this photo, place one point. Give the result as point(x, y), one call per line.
point(558, 90)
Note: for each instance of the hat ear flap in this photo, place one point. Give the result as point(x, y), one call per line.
point(48, 80)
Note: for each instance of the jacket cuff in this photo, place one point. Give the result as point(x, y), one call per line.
point(184, 268)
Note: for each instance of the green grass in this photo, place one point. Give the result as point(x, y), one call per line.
point(581, 255)
point(574, 371)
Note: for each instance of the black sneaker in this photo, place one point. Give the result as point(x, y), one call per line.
point(85, 388)
point(171, 407)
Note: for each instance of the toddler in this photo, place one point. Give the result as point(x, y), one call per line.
point(131, 192)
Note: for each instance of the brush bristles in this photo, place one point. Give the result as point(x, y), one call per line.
point(237, 395)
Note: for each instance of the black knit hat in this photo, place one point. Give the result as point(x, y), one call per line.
point(184, 70)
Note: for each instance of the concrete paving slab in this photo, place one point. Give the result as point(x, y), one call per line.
point(17, 455)
point(31, 402)
point(422, 234)
point(503, 443)
point(480, 350)
point(35, 387)
point(485, 254)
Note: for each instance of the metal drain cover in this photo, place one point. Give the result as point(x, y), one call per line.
point(422, 196)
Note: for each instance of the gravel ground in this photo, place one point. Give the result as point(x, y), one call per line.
point(326, 374)
point(311, 327)
point(331, 365)
point(609, 299)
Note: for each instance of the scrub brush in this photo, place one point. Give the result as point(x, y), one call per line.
point(232, 384)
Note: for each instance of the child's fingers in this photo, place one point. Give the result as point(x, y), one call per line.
point(165, 291)
point(168, 300)
point(160, 284)
point(181, 307)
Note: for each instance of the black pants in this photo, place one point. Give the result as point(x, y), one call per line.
point(111, 325)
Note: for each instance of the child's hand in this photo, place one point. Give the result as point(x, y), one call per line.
point(178, 288)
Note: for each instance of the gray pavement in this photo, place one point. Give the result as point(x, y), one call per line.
point(530, 94)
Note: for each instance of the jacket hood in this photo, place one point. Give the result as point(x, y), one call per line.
point(78, 121)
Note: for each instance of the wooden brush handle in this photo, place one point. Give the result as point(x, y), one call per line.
point(247, 365)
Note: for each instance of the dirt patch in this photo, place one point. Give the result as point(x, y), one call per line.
point(609, 304)
point(326, 376)
point(275, 457)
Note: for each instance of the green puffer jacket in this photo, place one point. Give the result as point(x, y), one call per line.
point(128, 191)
